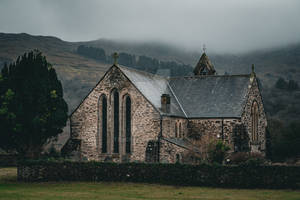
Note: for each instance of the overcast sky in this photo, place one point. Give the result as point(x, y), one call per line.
point(223, 25)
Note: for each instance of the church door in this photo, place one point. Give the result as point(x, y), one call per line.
point(152, 152)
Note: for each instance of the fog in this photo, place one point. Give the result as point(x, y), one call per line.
point(223, 26)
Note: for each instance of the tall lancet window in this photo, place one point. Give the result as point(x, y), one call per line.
point(180, 130)
point(116, 121)
point(128, 124)
point(103, 117)
point(254, 119)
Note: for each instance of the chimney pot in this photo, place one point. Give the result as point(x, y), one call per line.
point(165, 103)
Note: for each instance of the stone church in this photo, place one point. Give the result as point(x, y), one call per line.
point(134, 116)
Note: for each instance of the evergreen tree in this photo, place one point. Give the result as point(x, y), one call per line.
point(127, 60)
point(281, 84)
point(32, 108)
point(293, 85)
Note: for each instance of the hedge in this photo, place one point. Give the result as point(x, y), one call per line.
point(242, 176)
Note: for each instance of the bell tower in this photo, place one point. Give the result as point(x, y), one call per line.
point(204, 66)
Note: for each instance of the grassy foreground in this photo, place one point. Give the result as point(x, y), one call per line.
point(11, 189)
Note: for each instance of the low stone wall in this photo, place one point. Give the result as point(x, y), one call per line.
point(8, 160)
point(243, 176)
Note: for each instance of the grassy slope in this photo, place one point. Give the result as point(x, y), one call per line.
point(79, 74)
point(10, 189)
point(69, 65)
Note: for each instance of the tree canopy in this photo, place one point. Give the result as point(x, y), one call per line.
point(32, 108)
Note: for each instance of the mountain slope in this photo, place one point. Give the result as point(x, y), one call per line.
point(79, 74)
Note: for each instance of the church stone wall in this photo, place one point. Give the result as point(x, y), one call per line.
point(204, 131)
point(254, 95)
point(85, 121)
point(169, 151)
point(169, 124)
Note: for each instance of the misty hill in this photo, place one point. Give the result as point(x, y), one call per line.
point(270, 64)
point(79, 73)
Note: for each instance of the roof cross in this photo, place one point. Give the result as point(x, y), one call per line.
point(204, 48)
point(115, 57)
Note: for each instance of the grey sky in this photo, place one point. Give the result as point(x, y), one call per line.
point(223, 25)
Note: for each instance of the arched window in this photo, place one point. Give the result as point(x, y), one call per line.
point(180, 131)
point(116, 121)
point(176, 130)
point(128, 124)
point(104, 123)
point(177, 158)
point(254, 121)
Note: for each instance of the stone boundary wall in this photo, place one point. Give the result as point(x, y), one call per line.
point(242, 176)
point(8, 160)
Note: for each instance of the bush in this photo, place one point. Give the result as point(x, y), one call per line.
point(238, 157)
point(246, 158)
point(217, 152)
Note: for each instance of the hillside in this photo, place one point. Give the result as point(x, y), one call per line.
point(77, 73)
point(80, 73)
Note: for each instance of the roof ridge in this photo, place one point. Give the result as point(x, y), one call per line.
point(207, 76)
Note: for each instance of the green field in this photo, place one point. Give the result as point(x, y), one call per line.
point(11, 189)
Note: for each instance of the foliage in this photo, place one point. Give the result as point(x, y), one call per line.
point(241, 176)
point(240, 138)
point(291, 85)
point(142, 62)
point(285, 140)
point(217, 152)
point(92, 52)
point(246, 158)
point(32, 108)
point(52, 153)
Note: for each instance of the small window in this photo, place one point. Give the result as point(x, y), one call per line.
point(177, 158)
point(176, 130)
point(180, 130)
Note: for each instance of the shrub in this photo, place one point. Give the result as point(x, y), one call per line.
point(238, 157)
point(217, 152)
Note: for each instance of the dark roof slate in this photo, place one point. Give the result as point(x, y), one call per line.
point(211, 96)
point(194, 97)
point(152, 87)
point(182, 142)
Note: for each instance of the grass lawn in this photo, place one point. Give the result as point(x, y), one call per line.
point(11, 189)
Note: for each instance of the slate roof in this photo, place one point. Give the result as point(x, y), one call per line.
point(182, 142)
point(152, 87)
point(210, 96)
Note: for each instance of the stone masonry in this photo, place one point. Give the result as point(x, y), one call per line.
point(85, 126)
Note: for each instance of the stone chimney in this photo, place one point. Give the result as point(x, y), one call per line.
point(165, 103)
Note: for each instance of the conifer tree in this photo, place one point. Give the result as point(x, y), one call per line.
point(32, 108)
